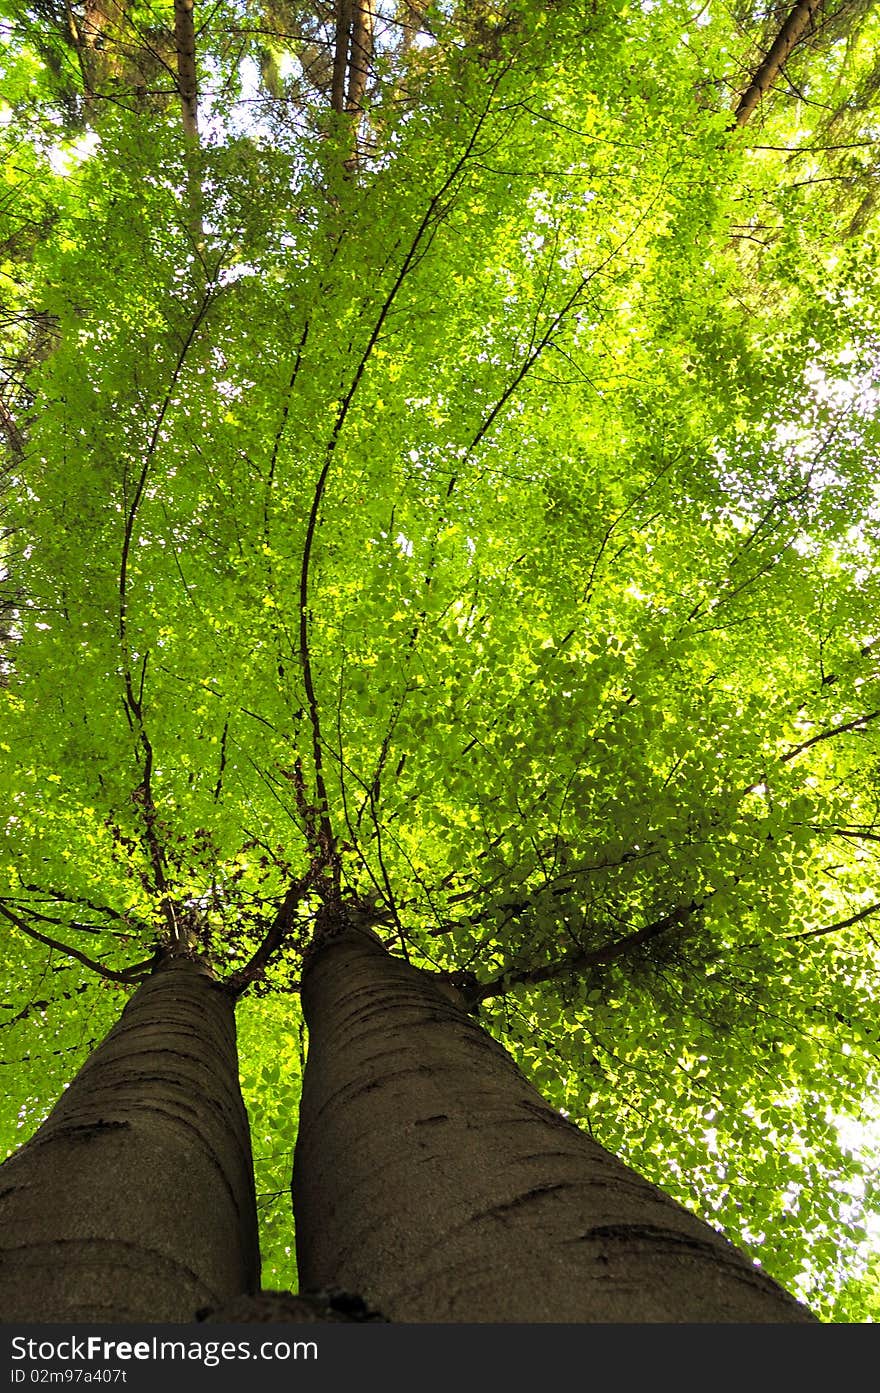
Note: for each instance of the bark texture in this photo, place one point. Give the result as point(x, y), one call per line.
point(431, 1178)
point(135, 1199)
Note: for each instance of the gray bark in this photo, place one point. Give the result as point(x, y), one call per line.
point(431, 1178)
point(134, 1201)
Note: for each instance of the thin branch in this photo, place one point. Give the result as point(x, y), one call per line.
point(42, 1004)
point(133, 702)
point(129, 975)
point(841, 924)
point(858, 724)
point(132, 510)
point(322, 835)
point(219, 785)
point(282, 425)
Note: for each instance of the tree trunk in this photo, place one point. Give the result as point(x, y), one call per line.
point(797, 23)
point(340, 54)
point(97, 47)
point(187, 87)
point(431, 1178)
point(361, 54)
point(187, 81)
point(135, 1199)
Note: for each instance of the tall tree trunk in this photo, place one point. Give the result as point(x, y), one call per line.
point(187, 82)
point(361, 54)
point(94, 37)
point(340, 54)
point(187, 88)
point(135, 1198)
point(431, 1178)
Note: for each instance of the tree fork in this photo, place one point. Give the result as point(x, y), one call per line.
point(432, 1178)
point(135, 1198)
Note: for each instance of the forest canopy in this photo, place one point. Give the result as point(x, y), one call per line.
point(440, 480)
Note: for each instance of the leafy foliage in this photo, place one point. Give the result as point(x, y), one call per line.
point(471, 512)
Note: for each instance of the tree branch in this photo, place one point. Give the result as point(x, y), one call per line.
point(133, 701)
point(128, 975)
point(274, 938)
point(791, 33)
point(858, 724)
point(841, 923)
point(581, 961)
point(323, 842)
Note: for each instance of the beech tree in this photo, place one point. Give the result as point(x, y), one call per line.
point(440, 523)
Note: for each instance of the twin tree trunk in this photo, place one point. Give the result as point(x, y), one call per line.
point(134, 1201)
point(430, 1178)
